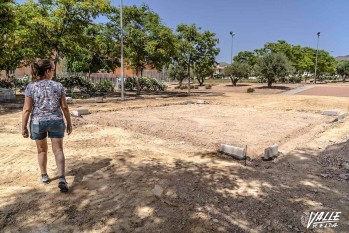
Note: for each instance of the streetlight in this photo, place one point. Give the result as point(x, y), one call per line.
point(232, 40)
point(317, 50)
point(122, 53)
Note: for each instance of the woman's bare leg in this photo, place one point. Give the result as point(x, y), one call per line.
point(41, 145)
point(57, 148)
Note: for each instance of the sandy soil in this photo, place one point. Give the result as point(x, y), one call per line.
point(121, 156)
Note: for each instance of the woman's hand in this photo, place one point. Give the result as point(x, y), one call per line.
point(69, 128)
point(25, 132)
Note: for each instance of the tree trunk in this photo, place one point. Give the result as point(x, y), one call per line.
point(189, 78)
point(233, 81)
point(138, 92)
point(201, 81)
point(55, 64)
point(270, 82)
point(7, 73)
point(344, 76)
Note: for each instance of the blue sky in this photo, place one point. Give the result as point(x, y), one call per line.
point(256, 22)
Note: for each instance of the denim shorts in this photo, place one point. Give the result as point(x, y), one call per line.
point(54, 129)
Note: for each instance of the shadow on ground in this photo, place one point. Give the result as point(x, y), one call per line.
point(284, 88)
point(113, 194)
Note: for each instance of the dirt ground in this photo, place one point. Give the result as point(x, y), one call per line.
point(151, 164)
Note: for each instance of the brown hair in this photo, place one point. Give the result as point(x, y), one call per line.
point(39, 68)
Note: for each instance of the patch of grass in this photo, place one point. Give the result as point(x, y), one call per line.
point(246, 80)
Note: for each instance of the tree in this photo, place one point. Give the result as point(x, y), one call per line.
point(343, 69)
point(60, 24)
point(100, 51)
point(8, 24)
point(203, 69)
point(194, 46)
point(325, 63)
point(177, 71)
point(237, 71)
point(273, 66)
point(246, 57)
point(147, 41)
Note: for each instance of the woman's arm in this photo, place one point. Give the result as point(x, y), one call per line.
point(27, 109)
point(65, 109)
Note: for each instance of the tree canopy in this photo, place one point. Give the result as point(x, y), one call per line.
point(196, 49)
point(273, 66)
point(237, 71)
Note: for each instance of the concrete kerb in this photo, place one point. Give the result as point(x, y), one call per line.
point(339, 117)
point(271, 152)
point(79, 112)
point(330, 113)
point(233, 151)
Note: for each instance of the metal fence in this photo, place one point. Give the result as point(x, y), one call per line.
point(115, 79)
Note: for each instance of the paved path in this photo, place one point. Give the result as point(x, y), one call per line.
point(326, 91)
point(297, 90)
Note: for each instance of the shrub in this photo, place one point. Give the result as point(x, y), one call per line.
point(250, 90)
point(295, 79)
point(82, 83)
point(147, 84)
point(6, 83)
point(104, 86)
point(130, 84)
point(208, 86)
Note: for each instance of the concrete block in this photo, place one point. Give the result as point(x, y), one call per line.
point(188, 102)
point(7, 94)
point(330, 113)
point(271, 152)
point(99, 99)
point(80, 112)
point(234, 151)
point(69, 100)
point(200, 101)
point(341, 116)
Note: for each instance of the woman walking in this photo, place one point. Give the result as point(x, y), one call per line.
point(44, 102)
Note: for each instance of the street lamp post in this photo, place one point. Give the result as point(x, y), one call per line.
point(122, 53)
point(232, 41)
point(317, 50)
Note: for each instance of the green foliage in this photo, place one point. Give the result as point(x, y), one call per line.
point(100, 50)
point(343, 69)
point(104, 86)
point(58, 26)
point(295, 79)
point(203, 69)
point(148, 43)
point(82, 83)
point(130, 83)
point(6, 83)
point(237, 71)
point(196, 49)
point(177, 71)
point(147, 84)
point(250, 90)
point(274, 66)
point(246, 57)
